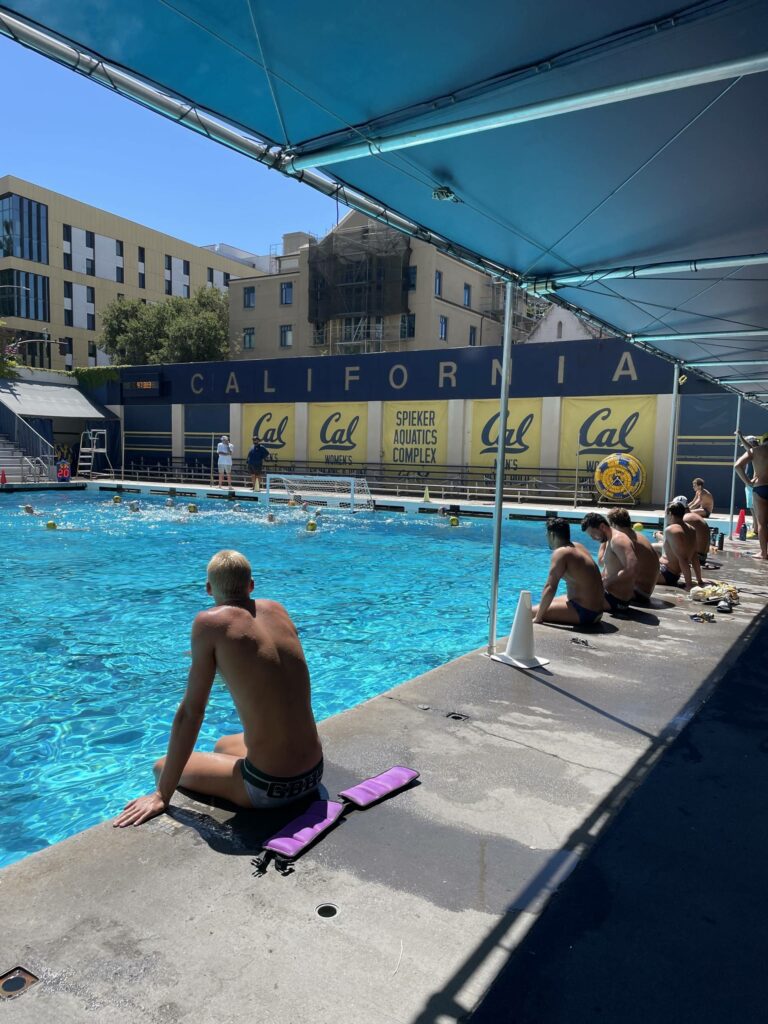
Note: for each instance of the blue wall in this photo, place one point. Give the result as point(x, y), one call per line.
point(147, 434)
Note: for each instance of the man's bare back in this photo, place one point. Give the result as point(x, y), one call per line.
point(254, 645)
point(259, 655)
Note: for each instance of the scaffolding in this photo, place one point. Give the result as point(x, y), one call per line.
point(357, 277)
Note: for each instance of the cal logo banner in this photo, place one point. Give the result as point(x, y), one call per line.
point(522, 443)
point(275, 424)
point(338, 433)
point(591, 428)
point(414, 436)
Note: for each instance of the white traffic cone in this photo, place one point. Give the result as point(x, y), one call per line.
point(519, 650)
point(426, 495)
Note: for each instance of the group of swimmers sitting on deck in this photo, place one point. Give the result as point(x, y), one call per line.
point(632, 565)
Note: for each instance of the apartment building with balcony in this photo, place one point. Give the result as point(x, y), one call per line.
point(63, 261)
point(367, 288)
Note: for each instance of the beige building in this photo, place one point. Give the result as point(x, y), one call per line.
point(62, 262)
point(367, 288)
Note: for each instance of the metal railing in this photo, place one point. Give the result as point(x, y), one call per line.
point(35, 470)
point(444, 483)
point(32, 444)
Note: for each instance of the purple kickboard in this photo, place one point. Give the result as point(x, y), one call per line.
point(366, 793)
point(299, 833)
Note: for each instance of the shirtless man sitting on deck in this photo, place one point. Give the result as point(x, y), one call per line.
point(758, 456)
point(647, 559)
point(702, 500)
point(679, 550)
point(254, 645)
point(620, 573)
point(699, 524)
point(584, 604)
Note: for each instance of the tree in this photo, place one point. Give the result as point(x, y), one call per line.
point(8, 362)
point(174, 331)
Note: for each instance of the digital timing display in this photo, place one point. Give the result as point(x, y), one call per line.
point(146, 387)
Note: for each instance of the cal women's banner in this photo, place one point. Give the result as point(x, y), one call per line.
point(522, 442)
point(591, 428)
point(275, 424)
point(414, 435)
point(338, 433)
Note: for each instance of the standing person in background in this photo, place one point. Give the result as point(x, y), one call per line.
point(702, 502)
point(758, 456)
point(255, 458)
point(224, 450)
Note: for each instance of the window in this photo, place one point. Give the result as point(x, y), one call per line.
point(467, 294)
point(119, 275)
point(443, 328)
point(210, 275)
point(408, 325)
point(118, 247)
point(286, 293)
point(90, 294)
point(68, 321)
point(142, 257)
point(67, 260)
point(438, 282)
point(168, 263)
point(185, 291)
point(142, 279)
point(91, 349)
point(249, 297)
point(67, 289)
point(168, 288)
point(91, 326)
point(410, 278)
point(67, 232)
point(248, 334)
point(226, 279)
point(120, 296)
point(186, 268)
point(90, 240)
point(24, 295)
point(24, 228)
point(472, 335)
point(286, 335)
point(90, 266)
point(559, 329)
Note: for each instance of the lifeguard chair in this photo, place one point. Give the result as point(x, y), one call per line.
point(93, 443)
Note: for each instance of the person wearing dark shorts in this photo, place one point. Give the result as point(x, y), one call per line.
point(583, 605)
point(255, 459)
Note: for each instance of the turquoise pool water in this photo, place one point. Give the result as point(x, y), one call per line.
point(97, 617)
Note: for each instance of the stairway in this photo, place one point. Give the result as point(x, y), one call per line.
point(10, 460)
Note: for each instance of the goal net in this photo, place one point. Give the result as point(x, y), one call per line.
point(340, 492)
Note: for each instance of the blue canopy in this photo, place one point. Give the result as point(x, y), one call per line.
point(594, 202)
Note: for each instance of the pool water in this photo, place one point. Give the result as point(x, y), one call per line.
point(97, 616)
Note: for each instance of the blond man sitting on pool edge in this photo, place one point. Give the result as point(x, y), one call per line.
point(256, 649)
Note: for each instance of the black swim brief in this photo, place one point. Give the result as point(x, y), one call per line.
point(272, 790)
point(615, 603)
point(671, 579)
point(761, 491)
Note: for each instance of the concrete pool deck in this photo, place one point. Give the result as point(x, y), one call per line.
point(434, 888)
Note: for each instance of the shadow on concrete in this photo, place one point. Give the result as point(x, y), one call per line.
point(664, 920)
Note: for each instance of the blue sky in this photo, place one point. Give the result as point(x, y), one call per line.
point(81, 140)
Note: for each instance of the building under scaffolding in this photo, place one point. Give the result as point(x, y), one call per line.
point(358, 280)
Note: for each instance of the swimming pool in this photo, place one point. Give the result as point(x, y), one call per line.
point(97, 618)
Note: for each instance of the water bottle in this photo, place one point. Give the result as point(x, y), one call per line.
point(743, 532)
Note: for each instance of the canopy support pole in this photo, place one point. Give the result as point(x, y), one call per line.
point(735, 456)
point(545, 286)
point(672, 436)
point(506, 372)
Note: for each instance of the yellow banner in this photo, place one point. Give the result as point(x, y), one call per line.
point(414, 436)
point(338, 433)
point(275, 424)
point(522, 444)
point(591, 428)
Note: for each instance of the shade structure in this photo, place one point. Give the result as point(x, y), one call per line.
point(48, 400)
point(647, 179)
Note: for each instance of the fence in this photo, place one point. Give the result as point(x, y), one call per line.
point(461, 483)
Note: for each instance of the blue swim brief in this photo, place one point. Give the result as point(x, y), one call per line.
point(587, 617)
